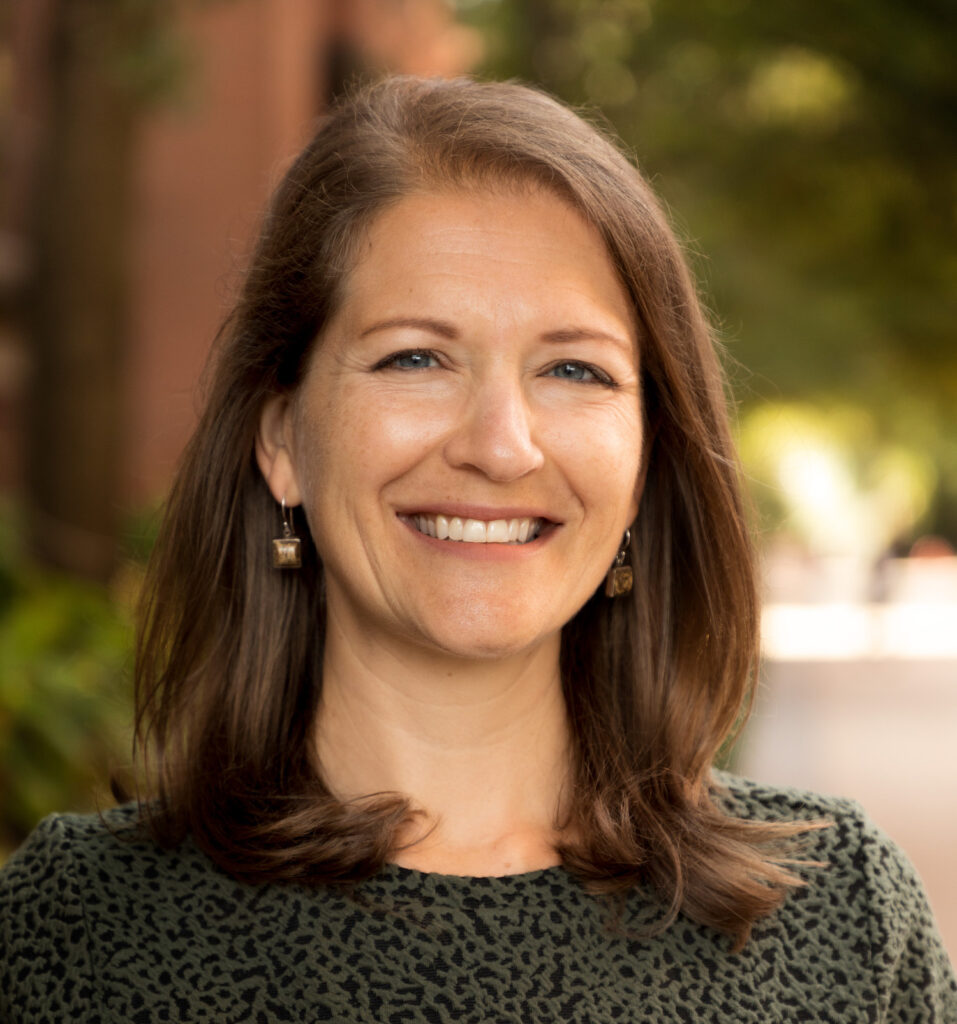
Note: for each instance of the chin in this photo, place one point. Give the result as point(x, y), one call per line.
point(488, 640)
point(488, 649)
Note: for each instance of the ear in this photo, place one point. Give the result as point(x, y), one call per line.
point(274, 451)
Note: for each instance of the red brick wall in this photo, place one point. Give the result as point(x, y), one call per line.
point(206, 167)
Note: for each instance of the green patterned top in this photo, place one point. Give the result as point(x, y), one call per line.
point(98, 924)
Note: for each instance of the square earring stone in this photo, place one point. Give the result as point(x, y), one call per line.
point(286, 553)
point(619, 581)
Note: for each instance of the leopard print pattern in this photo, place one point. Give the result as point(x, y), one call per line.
point(98, 924)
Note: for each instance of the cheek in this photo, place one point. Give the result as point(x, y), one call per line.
point(405, 428)
point(599, 451)
point(362, 441)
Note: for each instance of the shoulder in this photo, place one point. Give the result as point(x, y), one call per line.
point(850, 850)
point(60, 834)
point(45, 971)
point(76, 880)
point(45, 865)
point(758, 801)
point(862, 894)
point(91, 850)
point(110, 862)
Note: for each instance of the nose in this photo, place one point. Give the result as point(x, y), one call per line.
point(495, 433)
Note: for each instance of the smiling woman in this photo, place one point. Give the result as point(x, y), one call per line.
point(480, 376)
point(453, 760)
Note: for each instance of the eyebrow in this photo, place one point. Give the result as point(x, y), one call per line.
point(440, 327)
point(444, 329)
point(588, 334)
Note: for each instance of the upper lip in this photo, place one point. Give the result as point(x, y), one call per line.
point(486, 513)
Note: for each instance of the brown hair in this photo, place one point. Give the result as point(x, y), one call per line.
point(230, 651)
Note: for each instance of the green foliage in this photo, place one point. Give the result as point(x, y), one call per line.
point(828, 478)
point(810, 152)
point(65, 700)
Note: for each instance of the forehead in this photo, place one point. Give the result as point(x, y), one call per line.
point(506, 239)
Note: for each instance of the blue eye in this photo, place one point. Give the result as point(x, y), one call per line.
point(414, 359)
point(579, 372)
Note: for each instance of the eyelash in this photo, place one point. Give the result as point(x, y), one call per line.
point(392, 362)
point(598, 376)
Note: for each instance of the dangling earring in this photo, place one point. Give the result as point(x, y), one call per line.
point(620, 577)
point(286, 549)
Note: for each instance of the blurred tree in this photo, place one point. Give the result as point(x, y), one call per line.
point(810, 152)
point(94, 69)
point(86, 74)
point(65, 701)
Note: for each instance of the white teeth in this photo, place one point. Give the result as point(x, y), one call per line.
point(497, 532)
point(474, 532)
point(477, 531)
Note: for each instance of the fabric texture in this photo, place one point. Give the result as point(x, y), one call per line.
point(98, 924)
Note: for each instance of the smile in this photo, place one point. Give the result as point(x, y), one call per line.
point(477, 531)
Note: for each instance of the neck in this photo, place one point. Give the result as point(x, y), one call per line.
point(479, 747)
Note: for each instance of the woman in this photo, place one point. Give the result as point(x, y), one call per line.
point(437, 745)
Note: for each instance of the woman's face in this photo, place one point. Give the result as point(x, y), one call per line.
point(467, 439)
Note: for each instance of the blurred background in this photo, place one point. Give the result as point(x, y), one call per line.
point(807, 153)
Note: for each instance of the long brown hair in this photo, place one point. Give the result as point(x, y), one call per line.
point(229, 661)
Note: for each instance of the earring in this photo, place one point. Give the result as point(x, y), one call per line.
point(620, 577)
point(286, 549)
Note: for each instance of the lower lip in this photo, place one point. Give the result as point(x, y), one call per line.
point(484, 552)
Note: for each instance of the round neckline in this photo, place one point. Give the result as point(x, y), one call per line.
point(398, 881)
point(518, 877)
